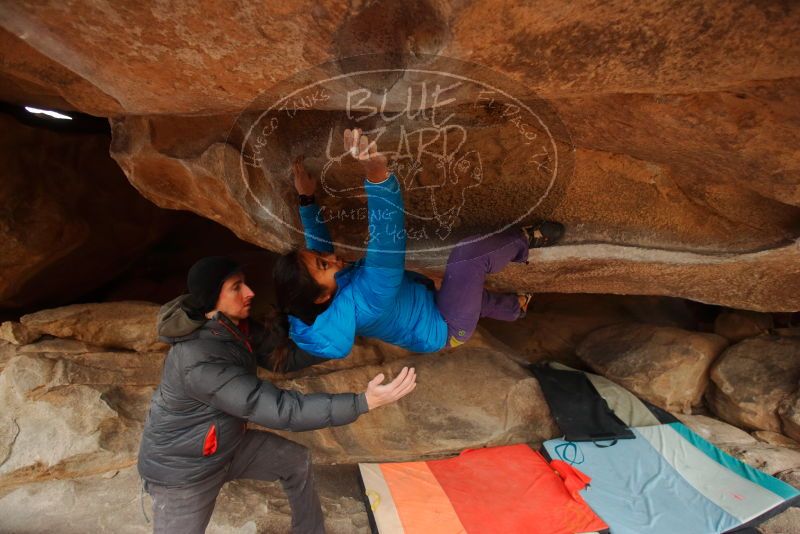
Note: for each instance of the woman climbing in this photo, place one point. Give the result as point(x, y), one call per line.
point(329, 302)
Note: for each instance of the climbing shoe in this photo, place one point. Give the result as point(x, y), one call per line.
point(523, 307)
point(543, 233)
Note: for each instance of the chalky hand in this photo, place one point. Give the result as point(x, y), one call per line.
point(358, 145)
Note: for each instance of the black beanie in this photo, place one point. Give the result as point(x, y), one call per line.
point(206, 278)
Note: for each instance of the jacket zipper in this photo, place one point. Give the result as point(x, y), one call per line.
point(237, 336)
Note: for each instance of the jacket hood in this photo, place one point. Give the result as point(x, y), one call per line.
point(178, 320)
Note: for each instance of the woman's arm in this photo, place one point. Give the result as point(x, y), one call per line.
point(380, 278)
point(275, 351)
point(315, 230)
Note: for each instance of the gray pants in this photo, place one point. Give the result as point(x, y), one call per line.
point(260, 456)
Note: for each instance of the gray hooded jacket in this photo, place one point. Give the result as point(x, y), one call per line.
point(209, 390)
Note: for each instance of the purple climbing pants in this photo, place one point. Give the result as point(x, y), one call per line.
point(462, 300)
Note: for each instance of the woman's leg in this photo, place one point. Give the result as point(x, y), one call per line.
point(500, 306)
point(462, 299)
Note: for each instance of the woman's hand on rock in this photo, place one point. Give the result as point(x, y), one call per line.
point(304, 183)
point(366, 152)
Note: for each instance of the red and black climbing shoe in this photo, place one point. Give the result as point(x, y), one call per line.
point(543, 233)
point(525, 300)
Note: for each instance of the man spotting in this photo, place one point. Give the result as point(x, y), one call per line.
point(195, 437)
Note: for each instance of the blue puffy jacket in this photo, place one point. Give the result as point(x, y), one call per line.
point(376, 296)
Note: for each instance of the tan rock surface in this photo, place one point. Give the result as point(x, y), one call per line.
point(92, 404)
point(764, 281)
point(72, 415)
point(203, 61)
point(751, 378)
point(60, 346)
point(655, 239)
point(473, 397)
point(685, 169)
point(124, 325)
point(14, 332)
point(30, 77)
point(373, 352)
point(787, 522)
point(738, 325)
point(7, 351)
point(789, 412)
point(193, 177)
point(774, 458)
point(717, 432)
point(177, 179)
point(665, 365)
point(774, 438)
point(557, 323)
point(771, 459)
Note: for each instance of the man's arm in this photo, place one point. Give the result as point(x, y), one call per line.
point(234, 390)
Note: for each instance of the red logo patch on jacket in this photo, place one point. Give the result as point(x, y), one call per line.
point(210, 444)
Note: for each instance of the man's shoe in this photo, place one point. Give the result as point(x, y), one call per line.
point(543, 233)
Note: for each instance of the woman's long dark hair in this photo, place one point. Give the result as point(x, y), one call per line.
point(295, 289)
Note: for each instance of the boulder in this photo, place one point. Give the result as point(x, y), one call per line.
point(14, 332)
point(787, 522)
point(123, 325)
point(7, 351)
point(556, 323)
point(59, 345)
point(774, 458)
point(665, 365)
point(774, 438)
point(791, 477)
point(662, 49)
point(694, 253)
point(713, 278)
point(30, 77)
point(67, 415)
point(365, 352)
point(91, 405)
point(70, 221)
point(771, 459)
point(737, 325)
point(113, 502)
point(691, 189)
point(792, 331)
point(789, 412)
point(473, 397)
point(717, 432)
point(374, 352)
point(751, 378)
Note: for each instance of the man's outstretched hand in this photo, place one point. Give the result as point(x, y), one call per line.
point(366, 152)
point(304, 183)
point(379, 394)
